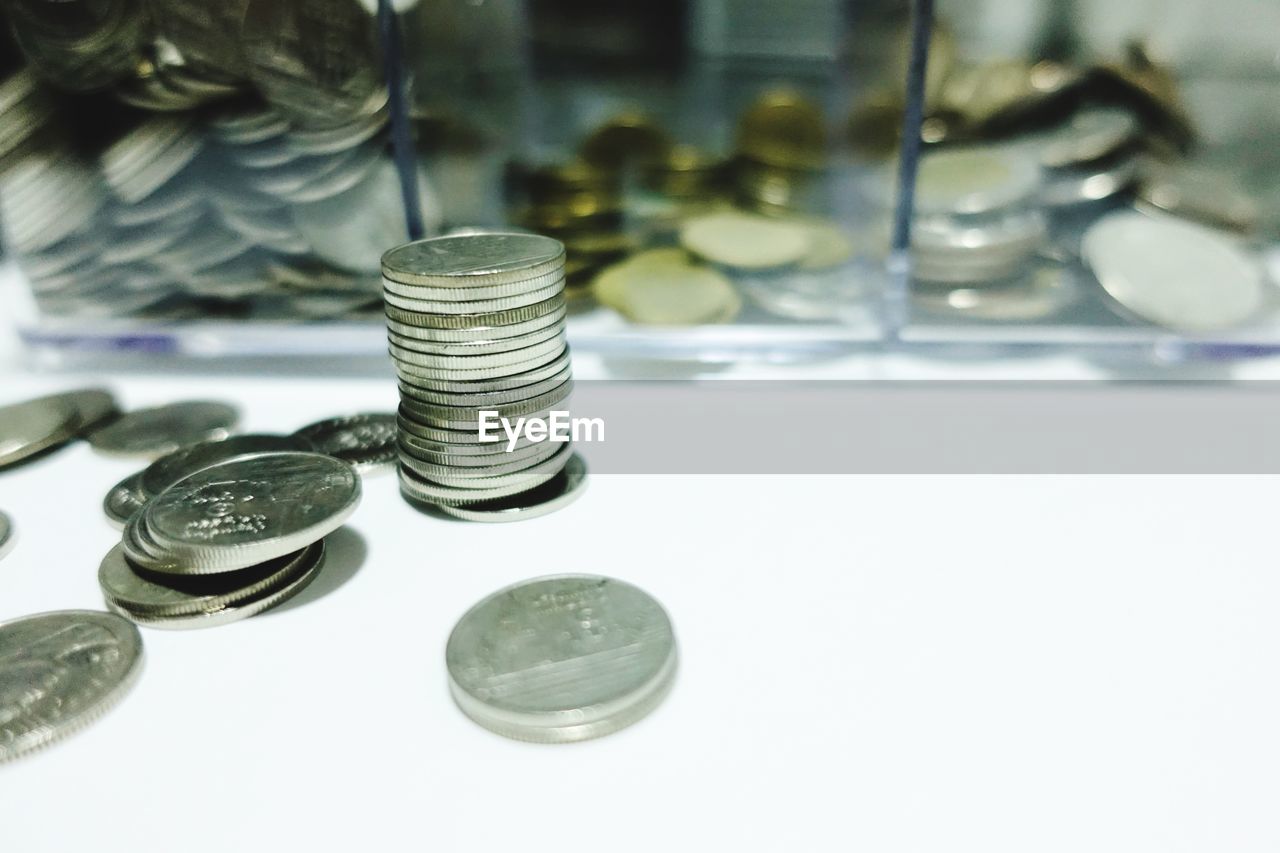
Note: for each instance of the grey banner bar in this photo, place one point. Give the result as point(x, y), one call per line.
point(739, 427)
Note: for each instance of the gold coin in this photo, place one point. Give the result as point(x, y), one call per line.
point(783, 128)
point(661, 287)
point(630, 139)
point(686, 173)
point(745, 240)
point(829, 245)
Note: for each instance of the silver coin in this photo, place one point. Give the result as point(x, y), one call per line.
point(6, 535)
point(468, 417)
point(1201, 194)
point(423, 490)
point(133, 591)
point(153, 432)
point(562, 659)
point(410, 425)
point(485, 399)
point(1089, 135)
point(501, 383)
point(473, 260)
point(142, 550)
point(367, 442)
point(486, 320)
point(248, 511)
point(1082, 186)
point(479, 306)
point(459, 456)
point(976, 180)
point(125, 498)
point(557, 493)
point(1174, 273)
point(548, 347)
point(1033, 297)
point(59, 672)
point(356, 243)
point(476, 334)
point(29, 428)
point(470, 294)
point(547, 354)
point(182, 463)
point(314, 61)
point(517, 462)
point(306, 568)
point(520, 479)
point(33, 426)
point(470, 348)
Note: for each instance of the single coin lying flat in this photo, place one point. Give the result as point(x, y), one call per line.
point(59, 672)
point(661, 287)
point(1173, 273)
point(561, 659)
point(367, 442)
point(745, 241)
point(164, 429)
point(34, 426)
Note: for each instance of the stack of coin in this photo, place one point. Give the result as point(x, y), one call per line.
point(81, 45)
point(781, 152)
point(135, 491)
point(978, 216)
point(1089, 157)
point(476, 324)
point(366, 442)
point(229, 541)
point(581, 205)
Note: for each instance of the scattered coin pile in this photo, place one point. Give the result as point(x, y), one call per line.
point(229, 541)
point(230, 208)
point(366, 442)
point(476, 324)
point(562, 659)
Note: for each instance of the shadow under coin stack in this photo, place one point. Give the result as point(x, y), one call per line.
point(475, 324)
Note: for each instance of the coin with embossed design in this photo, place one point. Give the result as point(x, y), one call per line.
point(59, 672)
point(563, 658)
point(248, 511)
point(367, 442)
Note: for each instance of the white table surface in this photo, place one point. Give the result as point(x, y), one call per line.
point(880, 664)
point(887, 664)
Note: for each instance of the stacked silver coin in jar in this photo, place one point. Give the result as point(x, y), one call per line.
point(476, 327)
point(978, 215)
